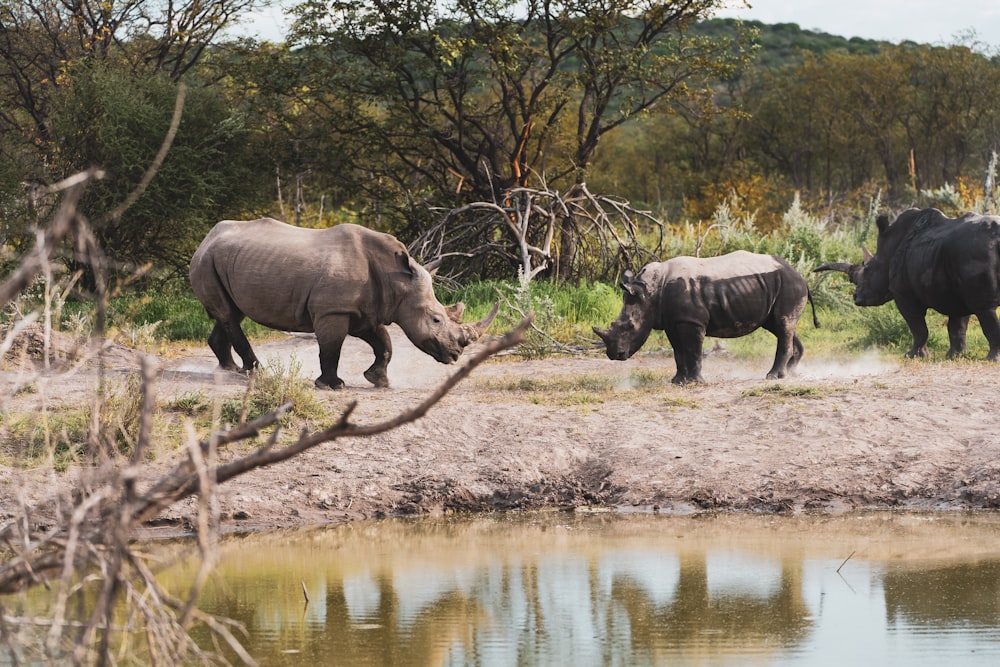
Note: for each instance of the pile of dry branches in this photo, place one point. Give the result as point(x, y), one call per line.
point(574, 234)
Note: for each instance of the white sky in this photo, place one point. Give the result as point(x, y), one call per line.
point(923, 21)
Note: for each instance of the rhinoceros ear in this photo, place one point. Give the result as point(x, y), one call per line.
point(405, 263)
point(882, 222)
point(632, 286)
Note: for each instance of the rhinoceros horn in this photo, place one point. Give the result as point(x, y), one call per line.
point(602, 333)
point(472, 332)
point(843, 267)
point(850, 269)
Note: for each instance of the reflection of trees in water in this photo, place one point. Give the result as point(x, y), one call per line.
point(946, 596)
point(698, 621)
point(546, 611)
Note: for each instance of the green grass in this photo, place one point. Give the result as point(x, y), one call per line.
point(32, 439)
point(582, 389)
point(565, 313)
point(782, 391)
point(636, 380)
point(272, 385)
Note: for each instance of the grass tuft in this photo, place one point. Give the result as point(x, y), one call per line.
point(782, 391)
point(272, 385)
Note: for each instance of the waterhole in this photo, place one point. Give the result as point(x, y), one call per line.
point(608, 589)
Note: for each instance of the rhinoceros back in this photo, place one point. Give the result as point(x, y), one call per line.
point(731, 295)
point(279, 275)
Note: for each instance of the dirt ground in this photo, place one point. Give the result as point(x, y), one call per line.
point(863, 432)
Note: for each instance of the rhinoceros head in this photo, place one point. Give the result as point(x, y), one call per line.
point(628, 333)
point(871, 278)
point(434, 328)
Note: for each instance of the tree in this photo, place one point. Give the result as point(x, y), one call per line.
point(41, 39)
point(109, 117)
point(463, 102)
point(49, 47)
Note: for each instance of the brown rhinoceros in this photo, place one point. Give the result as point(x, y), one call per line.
point(334, 282)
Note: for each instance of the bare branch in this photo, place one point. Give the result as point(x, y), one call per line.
point(608, 230)
point(64, 221)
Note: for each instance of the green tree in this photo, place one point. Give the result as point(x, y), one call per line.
point(50, 49)
point(107, 116)
point(464, 102)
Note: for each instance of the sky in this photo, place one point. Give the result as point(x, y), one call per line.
point(923, 21)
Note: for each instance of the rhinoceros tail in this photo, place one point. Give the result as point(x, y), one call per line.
point(809, 294)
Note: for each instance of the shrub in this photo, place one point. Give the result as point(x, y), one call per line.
point(272, 385)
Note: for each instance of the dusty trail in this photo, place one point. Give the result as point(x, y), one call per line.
point(860, 433)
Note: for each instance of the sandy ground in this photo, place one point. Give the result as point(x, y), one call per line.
point(864, 432)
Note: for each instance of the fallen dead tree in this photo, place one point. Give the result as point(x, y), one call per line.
point(574, 234)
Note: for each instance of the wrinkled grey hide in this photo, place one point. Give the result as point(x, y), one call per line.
point(345, 280)
point(926, 260)
point(726, 297)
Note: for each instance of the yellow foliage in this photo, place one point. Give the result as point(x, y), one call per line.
point(969, 191)
point(749, 196)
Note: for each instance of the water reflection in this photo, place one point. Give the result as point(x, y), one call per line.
point(612, 590)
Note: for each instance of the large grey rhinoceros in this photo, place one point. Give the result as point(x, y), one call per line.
point(345, 280)
point(926, 260)
point(726, 297)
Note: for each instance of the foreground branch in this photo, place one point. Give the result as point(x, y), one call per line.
point(54, 553)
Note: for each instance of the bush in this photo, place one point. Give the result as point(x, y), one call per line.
point(272, 385)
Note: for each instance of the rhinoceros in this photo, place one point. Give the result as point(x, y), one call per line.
point(726, 297)
point(926, 260)
point(338, 281)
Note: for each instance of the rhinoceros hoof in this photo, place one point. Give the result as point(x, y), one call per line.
point(323, 384)
point(379, 379)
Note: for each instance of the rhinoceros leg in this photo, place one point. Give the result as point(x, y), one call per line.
point(916, 318)
point(228, 335)
point(782, 356)
point(797, 351)
point(381, 344)
point(789, 348)
point(991, 329)
point(330, 334)
point(687, 341)
point(223, 348)
point(957, 327)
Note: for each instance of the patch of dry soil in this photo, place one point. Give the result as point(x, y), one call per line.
point(844, 434)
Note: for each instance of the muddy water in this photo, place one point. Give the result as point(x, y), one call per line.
point(557, 589)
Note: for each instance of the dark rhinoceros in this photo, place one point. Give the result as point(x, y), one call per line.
point(927, 260)
point(345, 280)
point(726, 297)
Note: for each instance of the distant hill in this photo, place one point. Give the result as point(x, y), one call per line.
point(783, 43)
